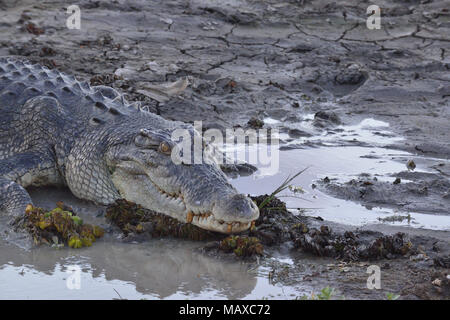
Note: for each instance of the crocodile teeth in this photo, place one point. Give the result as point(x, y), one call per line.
point(189, 217)
point(230, 228)
point(29, 208)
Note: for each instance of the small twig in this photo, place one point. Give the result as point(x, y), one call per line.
point(118, 294)
point(296, 208)
point(296, 197)
point(282, 187)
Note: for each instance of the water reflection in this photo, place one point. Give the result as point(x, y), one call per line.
point(159, 269)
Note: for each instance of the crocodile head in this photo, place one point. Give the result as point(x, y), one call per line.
point(143, 171)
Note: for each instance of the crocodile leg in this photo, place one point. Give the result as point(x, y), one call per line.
point(13, 198)
point(35, 169)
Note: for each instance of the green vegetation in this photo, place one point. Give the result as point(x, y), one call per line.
point(58, 227)
point(242, 246)
point(283, 186)
point(326, 293)
point(392, 296)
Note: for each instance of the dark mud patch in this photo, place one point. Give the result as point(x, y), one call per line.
point(353, 246)
point(411, 266)
point(277, 225)
point(139, 224)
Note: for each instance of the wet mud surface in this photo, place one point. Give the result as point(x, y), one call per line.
point(313, 70)
point(421, 192)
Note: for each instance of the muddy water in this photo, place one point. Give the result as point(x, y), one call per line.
point(154, 270)
point(342, 163)
point(157, 269)
point(173, 269)
point(341, 154)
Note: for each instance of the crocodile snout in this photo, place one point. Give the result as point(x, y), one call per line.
point(236, 208)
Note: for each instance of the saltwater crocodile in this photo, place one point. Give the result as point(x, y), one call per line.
point(56, 130)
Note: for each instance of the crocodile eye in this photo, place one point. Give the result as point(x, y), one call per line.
point(164, 147)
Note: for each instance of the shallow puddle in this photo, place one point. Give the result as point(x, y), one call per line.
point(157, 269)
point(336, 158)
point(342, 163)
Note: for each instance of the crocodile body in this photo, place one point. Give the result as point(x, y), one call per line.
point(56, 130)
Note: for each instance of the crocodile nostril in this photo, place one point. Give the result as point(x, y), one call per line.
point(244, 207)
point(238, 197)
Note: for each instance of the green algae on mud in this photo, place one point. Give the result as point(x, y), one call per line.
point(242, 246)
point(58, 227)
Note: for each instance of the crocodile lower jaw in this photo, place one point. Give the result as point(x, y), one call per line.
point(174, 205)
point(208, 222)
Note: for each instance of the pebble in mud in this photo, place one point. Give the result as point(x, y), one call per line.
point(411, 165)
point(255, 123)
point(324, 119)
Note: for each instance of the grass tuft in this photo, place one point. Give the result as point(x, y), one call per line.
point(282, 187)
